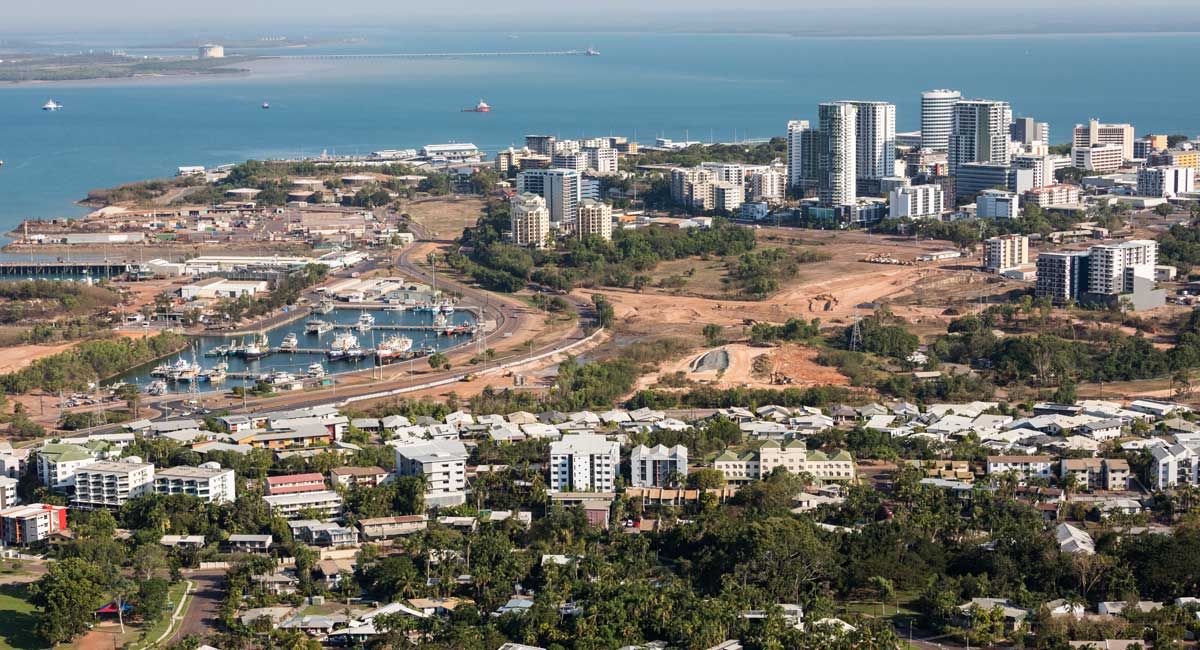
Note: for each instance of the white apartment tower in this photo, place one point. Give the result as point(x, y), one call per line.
point(875, 144)
point(602, 160)
point(529, 220)
point(937, 118)
point(979, 133)
point(1092, 133)
point(801, 154)
point(584, 463)
point(655, 466)
point(595, 219)
point(767, 186)
point(1112, 266)
point(1168, 181)
point(1042, 167)
point(916, 202)
point(111, 484)
point(443, 463)
point(692, 187)
point(208, 482)
point(1006, 252)
point(837, 155)
point(562, 189)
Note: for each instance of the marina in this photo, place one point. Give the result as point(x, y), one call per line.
point(300, 351)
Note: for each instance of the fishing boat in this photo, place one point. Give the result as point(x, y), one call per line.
point(289, 343)
point(317, 327)
point(324, 307)
point(266, 105)
point(182, 370)
point(366, 322)
point(440, 319)
point(341, 346)
point(216, 374)
point(258, 348)
point(218, 351)
point(446, 307)
point(316, 370)
point(392, 348)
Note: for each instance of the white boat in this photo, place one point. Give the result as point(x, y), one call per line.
point(440, 320)
point(289, 343)
point(258, 348)
point(182, 370)
point(161, 370)
point(393, 347)
point(366, 322)
point(51, 106)
point(266, 105)
point(342, 346)
point(317, 326)
point(316, 370)
point(446, 308)
point(280, 378)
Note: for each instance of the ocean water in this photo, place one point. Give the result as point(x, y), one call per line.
point(719, 87)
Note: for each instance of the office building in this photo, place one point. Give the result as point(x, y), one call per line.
point(540, 144)
point(36, 522)
point(529, 220)
point(1040, 166)
point(584, 463)
point(997, 204)
point(691, 187)
point(658, 466)
point(801, 154)
point(979, 133)
point(1005, 252)
point(442, 463)
point(1058, 195)
point(208, 482)
point(1093, 133)
point(595, 220)
point(1027, 131)
point(916, 202)
point(602, 160)
point(324, 504)
point(1062, 276)
point(1102, 158)
point(1113, 266)
point(727, 197)
point(561, 188)
point(1167, 182)
point(937, 118)
point(973, 178)
point(768, 185)
point(111, 484)
point(837, 157)
point(875, 139)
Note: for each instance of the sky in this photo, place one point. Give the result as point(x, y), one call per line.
point(793, 16)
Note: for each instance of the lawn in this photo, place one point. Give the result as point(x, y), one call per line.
point(16, 619)
point(149, 635)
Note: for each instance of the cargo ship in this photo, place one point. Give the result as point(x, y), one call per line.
point(481, 107)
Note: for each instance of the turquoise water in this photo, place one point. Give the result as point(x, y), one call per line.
point(645, 84)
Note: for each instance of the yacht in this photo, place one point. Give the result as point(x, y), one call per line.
point(393, 347)
point(446, 307)
point(317, 326)
point(289, 343)
point(440, 320)
point(366, 322)
point(342, 344)
point(182, 370)
point(51, 106)
point(258, 348)
point(161, 370)
point(216, 374)
point(280, 378)
point(266, 105)
point(316, 370)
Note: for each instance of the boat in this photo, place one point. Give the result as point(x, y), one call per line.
point(316, 370)
point(160, 370)
point(440, 320)
point(218, 351)
point(51, 106)
point(366, 322)
point(393, 347)
point(157, 388)
point(266, 105)
point(342, 344)
point(591, 51)
point(317, 326)
point(289, 343)
point(481, 107)
point(216, 374)
point(256, 349)
point(446, 307)
point(280, 378)
point(182, 370)
point(324, 307)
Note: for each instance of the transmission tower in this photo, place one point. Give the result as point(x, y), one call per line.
point(856, 335)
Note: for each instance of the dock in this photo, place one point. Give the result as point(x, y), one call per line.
point(426, 55)
point(94, 269)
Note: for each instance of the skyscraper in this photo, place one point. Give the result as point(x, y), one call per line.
point(875, 142)
point(529, 220)
point(979, 133)
point(937, 118)
point(801, 154)
point(1027, 131)
point(837, 153)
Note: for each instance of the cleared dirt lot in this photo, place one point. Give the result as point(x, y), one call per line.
point(797, 363)
point(443, 218)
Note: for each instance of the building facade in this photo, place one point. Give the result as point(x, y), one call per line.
point(595, 220)
point(658, 466)
point(208, 482)
point(979, 133)
point(997, 204)
point(916, 202)
point(1166, 182)
point(875, 139)
point(561, 188)
point(1006, 252)
point(33, 523)
point(1092, 133)
point(937, 118)
point(1100, 157)
point(443, 464)
point(584, 463)
point(529, 220)
point(111, 484)
point(837, 156)
point(1062, 276)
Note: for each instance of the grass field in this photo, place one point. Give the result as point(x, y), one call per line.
point(16, 619)
point(148, 635)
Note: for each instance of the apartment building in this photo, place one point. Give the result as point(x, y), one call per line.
point(916, 202)
point(30, 524)
point(1027, 131)
point(768, 185)
point(1024, 467)
point(1102, 158)
point(325, 503)
point(1006, 252)
point(520, 159)
point(997, 204)
point(602, 160)
point(584, 463)
point(1113, 266)
point(576, 160)
point(1166, 182)
point(692, 187)
point(1058, 194)
point(1175, 464)
point(793, 456)
point(57, 463)
point(443, 464)
point(655, 466)
point(979, 133)
point(801, 154)
point(1092, 133)
point(529, 220)
point(1096, 473)
point(349, 477)
point(837, 155)
point(875, 139)
point(561, 188)
point(295, 483)
point(1062, 276)
point(1041, 166)
point(727, 197)
point(111, 484)
point(208, 482)
point(937, 118)
point(595, 220)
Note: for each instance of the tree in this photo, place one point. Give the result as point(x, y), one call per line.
point(438, 360)
point(132, 396)
point(713, 334)
point(885, 590)
point(151, 601)
point(66, 597)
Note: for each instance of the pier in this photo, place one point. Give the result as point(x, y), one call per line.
point(425, 55)
point(94, 269)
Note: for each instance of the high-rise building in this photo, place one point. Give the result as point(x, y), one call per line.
point(602, 160)
point(691, 187)
point(875, 139)
point(1100, 157)
point(937, 118)
point(767, 186)
point(916, 202)
point(442, 463)
point(1006, 252)
point(1112, 267)
point(1027, 131)
point(979, 133)
point(1092, 133)
point(973, 178)
point(541, 144)
point(1170, 181)
point(801, 154)
point(1057, 194)
point(576, 160)
point(997, 204)
point(584, 463)
point(111, 484)
point(595, 219)
point(837, 155)
point(560, 187)
point(727, 197)
point(1149, 144)
point(529, 220)
point(657, 466)
point(726, 172)
point(1042, 167)
point(1062, 276)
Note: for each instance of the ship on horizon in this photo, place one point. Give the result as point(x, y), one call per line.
point(481, 107)
point(591, 51)
point(51, 106)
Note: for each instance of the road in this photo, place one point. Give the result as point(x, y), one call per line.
point(201, 615)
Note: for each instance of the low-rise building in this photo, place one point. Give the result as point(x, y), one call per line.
point(793, 456)
point(997, 204)
point(250, 543)
point(1024, 467)
point(33, 523)
point(208, 482)
point(111, 484)
point(658, 466)
point(325, 504)
point(442, 463)
point(218, 287)
point(295, 483)
point(1006, 252)
point(357, 476)
point(389, 527)
point(56, 464)
point(584, 463)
